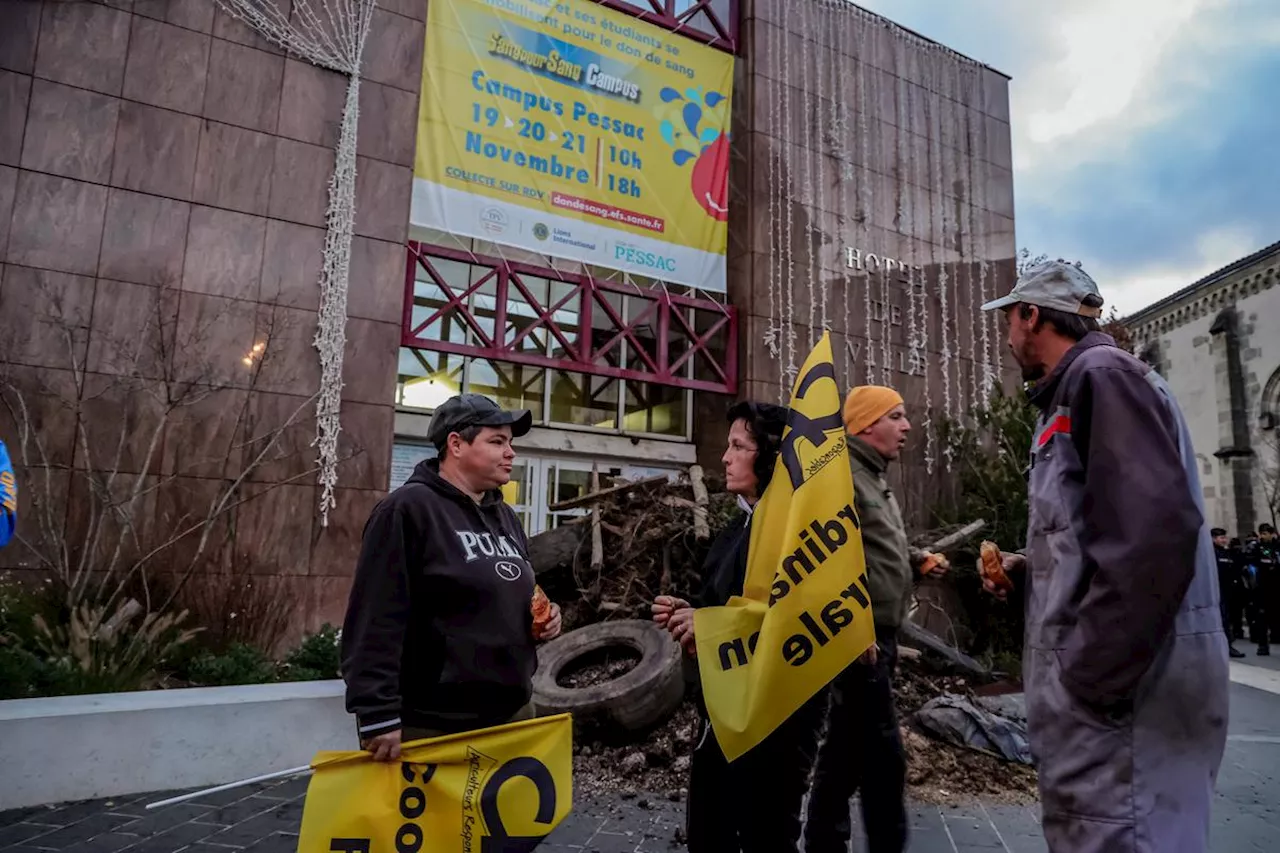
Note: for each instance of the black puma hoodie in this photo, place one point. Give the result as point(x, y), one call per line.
point(439, 632)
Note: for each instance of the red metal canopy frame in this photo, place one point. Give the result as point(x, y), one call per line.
point(663, 14)
point(709, 335)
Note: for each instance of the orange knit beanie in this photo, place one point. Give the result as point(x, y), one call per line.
point(867, 404)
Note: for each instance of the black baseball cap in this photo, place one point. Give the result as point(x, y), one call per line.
point(467, 410)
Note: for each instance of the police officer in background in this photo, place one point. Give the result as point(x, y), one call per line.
point(1264, 555)
point(1230, 588)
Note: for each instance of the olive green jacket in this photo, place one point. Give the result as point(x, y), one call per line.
point(891, 560)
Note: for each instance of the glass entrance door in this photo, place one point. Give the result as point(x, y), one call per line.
point(537, 483)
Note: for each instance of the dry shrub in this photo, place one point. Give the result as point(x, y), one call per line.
point(240, 607)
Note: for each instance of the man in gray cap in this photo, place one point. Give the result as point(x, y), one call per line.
point(439, 635)
point(1125, 661)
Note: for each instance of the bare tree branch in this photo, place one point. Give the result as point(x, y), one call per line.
point(141, 524)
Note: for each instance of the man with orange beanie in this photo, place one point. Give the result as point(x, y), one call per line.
point(863, 748)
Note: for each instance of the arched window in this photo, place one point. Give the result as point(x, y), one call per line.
point(1269, 405)
point(1268, 458)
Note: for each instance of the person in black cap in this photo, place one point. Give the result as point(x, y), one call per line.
point(439, 635)
point(1230, 588)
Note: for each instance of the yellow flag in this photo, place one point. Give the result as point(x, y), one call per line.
point(498, 790)
point(804, 614)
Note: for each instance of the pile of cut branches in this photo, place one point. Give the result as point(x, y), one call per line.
point(638, 540)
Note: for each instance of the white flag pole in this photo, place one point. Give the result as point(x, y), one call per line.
point(267, 777)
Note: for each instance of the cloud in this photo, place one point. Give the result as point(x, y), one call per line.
point(1144, 132)
point(1129, 288)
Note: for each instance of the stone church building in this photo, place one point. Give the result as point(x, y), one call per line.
point(1217, 342)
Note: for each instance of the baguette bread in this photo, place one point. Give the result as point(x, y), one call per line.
point(992, 567)
point(541, 607)
point(931, 562)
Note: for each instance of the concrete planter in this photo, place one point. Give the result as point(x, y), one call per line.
point(106, 745)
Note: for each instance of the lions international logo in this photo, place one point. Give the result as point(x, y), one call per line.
point(541, 231)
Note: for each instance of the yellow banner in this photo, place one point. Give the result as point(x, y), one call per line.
point(569, 129)
point(805, 613)
point(489, 791)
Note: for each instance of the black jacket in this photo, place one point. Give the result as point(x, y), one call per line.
point(1265, 558)
point(724, 570)
point(439, 632)
point(1229, 569)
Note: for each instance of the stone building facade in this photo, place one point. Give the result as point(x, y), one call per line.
point(163, 181)
point(1217, 342)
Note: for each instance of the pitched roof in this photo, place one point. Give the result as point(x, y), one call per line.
point(1211, 278)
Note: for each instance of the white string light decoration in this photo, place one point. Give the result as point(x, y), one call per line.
point(969, 244)
point(944, 278)
point(806, 142)
point(790, 201)
point(774, 329)
point(820, 158)
point(978, 233)
point(990, 334)
point(330, 34)
point(840, 129)
point(864, 197)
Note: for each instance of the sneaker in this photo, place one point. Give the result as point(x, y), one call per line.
point(1236, 653)
point(1264, 651)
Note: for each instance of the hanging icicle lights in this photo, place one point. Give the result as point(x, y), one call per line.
point(332, 35)
point(919, 195)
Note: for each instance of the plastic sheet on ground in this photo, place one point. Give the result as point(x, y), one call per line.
point(997, 729)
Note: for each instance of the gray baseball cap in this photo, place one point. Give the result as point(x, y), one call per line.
point(467, 410)
point(1054, 284)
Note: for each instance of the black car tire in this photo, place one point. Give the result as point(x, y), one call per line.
point(643, 697)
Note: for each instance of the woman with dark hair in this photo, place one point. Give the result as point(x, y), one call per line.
point(754, 803)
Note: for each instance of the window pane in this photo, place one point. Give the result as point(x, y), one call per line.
point(583, 400)
point(521, 314)
point(642, 315)
point(512, 386)
point(713, 351)
point(426, 379)
point(678, 341)
point(483, 304)
point(570, 484)
point(563, 485)
point(658, 409)
point(517, 491)
point(700, 21)
point(604, 329)
point(429, 297)
point(567, 318)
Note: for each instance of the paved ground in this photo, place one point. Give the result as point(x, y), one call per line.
point(265, 820)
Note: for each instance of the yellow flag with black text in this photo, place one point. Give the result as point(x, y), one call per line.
point(804, 613)
point(498, 790)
